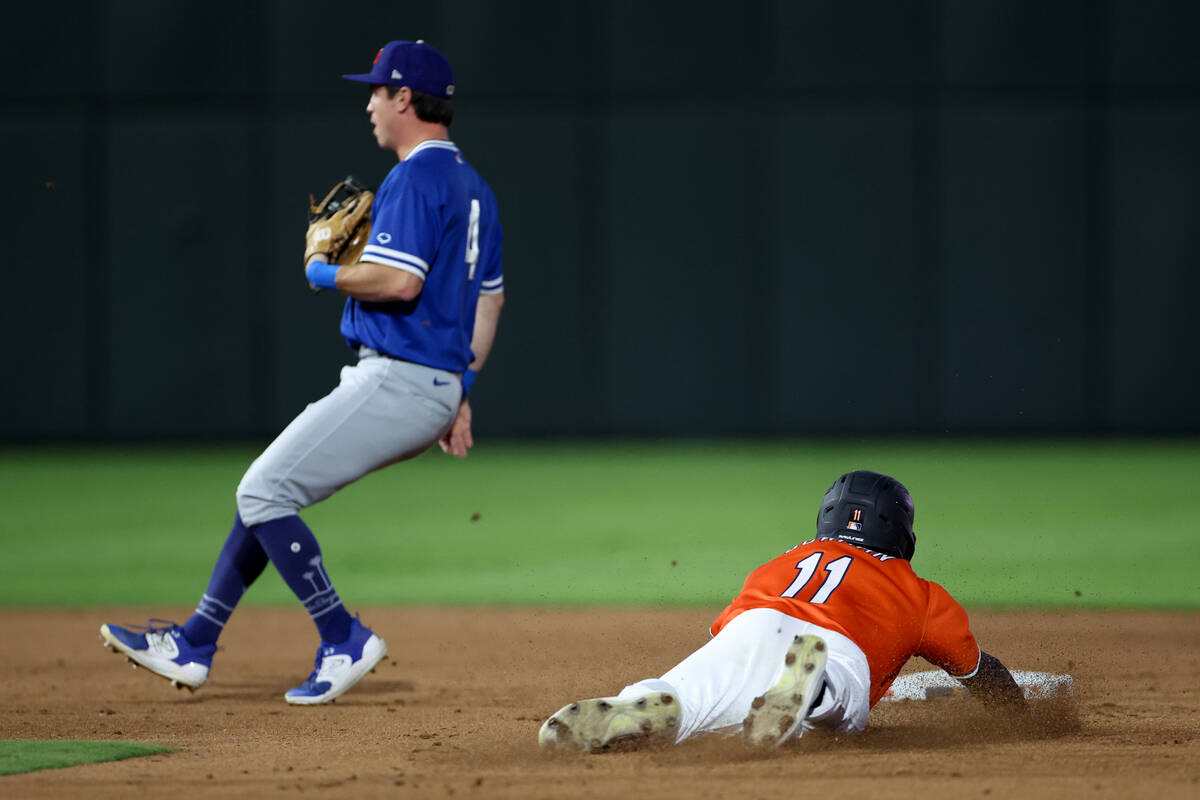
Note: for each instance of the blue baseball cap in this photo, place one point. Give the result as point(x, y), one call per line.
point(417, 65)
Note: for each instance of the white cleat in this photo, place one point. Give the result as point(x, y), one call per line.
point(162, 650)
point(594, 724)
point(338, 667)
point(776, 715)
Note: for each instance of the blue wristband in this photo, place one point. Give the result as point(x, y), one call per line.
point(468, 378)
point(322, 275)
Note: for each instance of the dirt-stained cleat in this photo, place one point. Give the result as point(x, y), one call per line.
point(163, 649)
point(594, 724)
point(776, 715)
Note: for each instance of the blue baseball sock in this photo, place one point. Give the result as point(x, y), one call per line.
point(295, 553)
point(242, 559)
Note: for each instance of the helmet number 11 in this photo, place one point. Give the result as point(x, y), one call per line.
point(806, 568)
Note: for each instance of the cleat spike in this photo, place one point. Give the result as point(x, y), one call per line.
point(809, 667)
point(790, 659)
point(759, 702)
point(641, 703)
point(603, 706)
point(819, 646)
point(667, 699)
point(574, 709)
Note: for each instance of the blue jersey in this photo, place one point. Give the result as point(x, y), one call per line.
point(435, 217)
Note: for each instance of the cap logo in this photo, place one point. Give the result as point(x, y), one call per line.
point(396, 75)
point(377, 55)
point(855, 523)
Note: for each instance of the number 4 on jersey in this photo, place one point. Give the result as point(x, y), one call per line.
point(473, 239)
point(806, 568)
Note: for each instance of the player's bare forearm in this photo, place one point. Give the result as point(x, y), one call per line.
point(994, 684)
point(487, 319)
point(377, 283)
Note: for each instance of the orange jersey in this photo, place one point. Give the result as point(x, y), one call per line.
point(875, 600)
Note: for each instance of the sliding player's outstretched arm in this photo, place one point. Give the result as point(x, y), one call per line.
point(993, 684)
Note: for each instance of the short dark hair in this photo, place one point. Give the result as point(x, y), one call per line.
point(429, 108)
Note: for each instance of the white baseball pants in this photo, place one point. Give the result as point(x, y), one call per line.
point(716, 684)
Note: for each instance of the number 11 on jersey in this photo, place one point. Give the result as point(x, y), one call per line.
point(806, 568)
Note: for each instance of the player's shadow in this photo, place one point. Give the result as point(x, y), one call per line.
point(270, 689)
point(256, 690)
point(372, 686)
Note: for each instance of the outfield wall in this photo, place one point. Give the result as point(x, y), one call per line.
point(721, 218)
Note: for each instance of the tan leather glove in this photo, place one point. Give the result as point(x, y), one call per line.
point(339, 226)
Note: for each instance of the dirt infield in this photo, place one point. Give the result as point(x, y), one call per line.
point(456, 708)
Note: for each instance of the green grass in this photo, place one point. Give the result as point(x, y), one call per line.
point(29, 755)
point(1001, 523)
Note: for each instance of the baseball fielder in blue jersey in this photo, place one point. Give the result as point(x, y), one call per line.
point(422, 307)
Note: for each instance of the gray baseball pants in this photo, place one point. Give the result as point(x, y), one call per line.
point(384, 410)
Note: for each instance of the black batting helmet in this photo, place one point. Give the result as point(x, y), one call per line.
point(871, 510)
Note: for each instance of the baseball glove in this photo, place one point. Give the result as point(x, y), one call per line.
point(339, 226)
